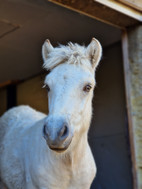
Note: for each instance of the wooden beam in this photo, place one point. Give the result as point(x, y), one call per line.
point(122, 8)
point(98, 11)
point(8, 82)
point(132, 58)
point(137, 4)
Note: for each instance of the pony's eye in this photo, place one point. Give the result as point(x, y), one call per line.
point(87, 88)
point(46, 87)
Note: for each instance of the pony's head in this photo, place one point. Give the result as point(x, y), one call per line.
point(70, 85)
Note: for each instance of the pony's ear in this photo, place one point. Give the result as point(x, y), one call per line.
point(94, 52)
point(46, 49)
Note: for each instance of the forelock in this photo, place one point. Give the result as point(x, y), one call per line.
point(70, 54)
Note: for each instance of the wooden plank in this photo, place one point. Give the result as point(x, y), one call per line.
point(135, 62)
point(137, 4)
point(128, 89)
point(98, 11)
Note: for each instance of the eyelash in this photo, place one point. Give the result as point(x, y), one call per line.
point(46, 87)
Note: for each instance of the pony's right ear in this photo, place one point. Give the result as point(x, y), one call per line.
point(46, 49)
point(94, 52)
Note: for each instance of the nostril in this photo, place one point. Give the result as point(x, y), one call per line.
point(45, 133)
point(63, 132)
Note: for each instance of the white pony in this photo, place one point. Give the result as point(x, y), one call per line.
point(52, 152)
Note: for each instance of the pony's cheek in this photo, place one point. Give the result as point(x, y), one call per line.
point(75, 122)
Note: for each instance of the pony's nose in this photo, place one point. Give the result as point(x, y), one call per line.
point(56, 138)
point(61, 135)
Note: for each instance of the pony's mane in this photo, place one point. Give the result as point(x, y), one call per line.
point(70, 54)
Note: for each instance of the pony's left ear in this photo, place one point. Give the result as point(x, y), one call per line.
point(94, 52)
point(46, 49)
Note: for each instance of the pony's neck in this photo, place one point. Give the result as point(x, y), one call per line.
point(76, 151)
point(79, 150)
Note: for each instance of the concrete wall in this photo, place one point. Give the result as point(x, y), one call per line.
point(108, 134)
point(31, 93)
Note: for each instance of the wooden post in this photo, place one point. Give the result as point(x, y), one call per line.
point(132, 59)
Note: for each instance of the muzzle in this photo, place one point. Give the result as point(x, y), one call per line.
point(57, 133)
